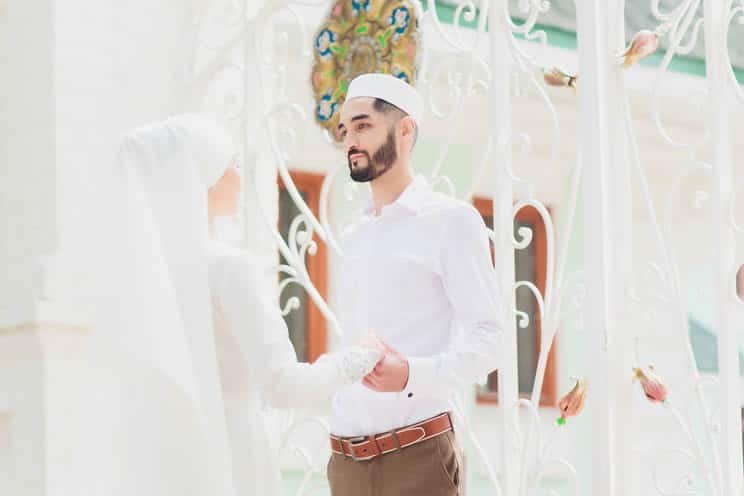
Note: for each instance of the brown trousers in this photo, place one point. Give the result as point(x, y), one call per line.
point(430, 468)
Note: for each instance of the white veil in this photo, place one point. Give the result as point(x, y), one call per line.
point(154, 319)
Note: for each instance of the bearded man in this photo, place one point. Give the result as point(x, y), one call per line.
point(416, 272)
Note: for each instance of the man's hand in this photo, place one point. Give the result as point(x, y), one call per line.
point(390, 375)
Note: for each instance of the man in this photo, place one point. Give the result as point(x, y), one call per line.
point(417, 273)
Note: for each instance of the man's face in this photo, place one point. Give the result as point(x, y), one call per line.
point(368, 140)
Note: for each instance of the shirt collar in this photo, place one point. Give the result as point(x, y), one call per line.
point(411, 200)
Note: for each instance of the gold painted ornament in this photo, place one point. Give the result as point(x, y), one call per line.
point(359, 37)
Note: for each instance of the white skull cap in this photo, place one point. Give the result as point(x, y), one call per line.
point(389, 88)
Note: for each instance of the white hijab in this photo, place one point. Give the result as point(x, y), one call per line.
point(168, 167)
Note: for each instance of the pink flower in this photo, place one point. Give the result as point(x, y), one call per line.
point(556, 77)
point(337, 10)
point(573, 402)
point(643, 44)
point(653, 387)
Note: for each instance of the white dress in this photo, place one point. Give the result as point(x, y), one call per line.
point(259, 369)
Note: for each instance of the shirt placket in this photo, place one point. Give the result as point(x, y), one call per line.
point(367, 290)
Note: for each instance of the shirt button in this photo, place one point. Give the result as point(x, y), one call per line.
point(410, 395)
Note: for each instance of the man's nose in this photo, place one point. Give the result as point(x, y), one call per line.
point(350, 142)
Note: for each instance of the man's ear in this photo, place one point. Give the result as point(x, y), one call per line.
point(408, 127)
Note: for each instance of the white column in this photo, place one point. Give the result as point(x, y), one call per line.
point(730, 448)
point(607, 230)
point(503, 223)
point(75, 76)
point(36, 328)
point(28, 224)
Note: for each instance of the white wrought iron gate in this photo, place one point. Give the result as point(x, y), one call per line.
point(622, 306)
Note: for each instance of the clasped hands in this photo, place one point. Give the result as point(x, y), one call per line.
point(390, 375)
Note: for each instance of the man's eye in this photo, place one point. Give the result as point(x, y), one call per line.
point(362, 125)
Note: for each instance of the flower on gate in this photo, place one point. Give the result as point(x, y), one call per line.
point(653, 387)
point(573, 402)
point(556, 77)
point(643, 44)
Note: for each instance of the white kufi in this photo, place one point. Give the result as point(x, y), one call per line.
point(391, 89)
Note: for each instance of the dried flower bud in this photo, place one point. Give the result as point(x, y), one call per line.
point(653, 387)
point(643, 44)
point(573, 402)
point(556, 77)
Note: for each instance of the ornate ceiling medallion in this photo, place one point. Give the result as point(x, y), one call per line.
point(358, 37)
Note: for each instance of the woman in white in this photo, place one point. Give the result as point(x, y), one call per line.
point(238, 343)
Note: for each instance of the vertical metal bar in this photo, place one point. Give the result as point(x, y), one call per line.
point(260, 194)
point(730, 448)
point(503, 223)
point(622, 390)
point(599, 143)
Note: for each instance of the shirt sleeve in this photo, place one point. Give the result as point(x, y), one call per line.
point(470, 284)
point(254, 318)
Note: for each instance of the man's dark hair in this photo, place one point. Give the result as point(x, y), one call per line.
point(389, 110)
point(386, 108)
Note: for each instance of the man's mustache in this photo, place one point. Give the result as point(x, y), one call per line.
point(355, 151)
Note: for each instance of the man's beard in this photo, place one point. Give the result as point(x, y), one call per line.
point(380, 162)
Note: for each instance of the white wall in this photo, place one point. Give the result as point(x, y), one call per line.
point(75, 76)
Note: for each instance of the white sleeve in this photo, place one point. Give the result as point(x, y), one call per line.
point(470, 283)
point(254, 318)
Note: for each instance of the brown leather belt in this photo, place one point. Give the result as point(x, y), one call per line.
point(369, 447)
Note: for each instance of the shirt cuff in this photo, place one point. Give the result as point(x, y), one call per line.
point(422, 375)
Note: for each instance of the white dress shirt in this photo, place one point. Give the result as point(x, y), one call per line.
point(420, 276)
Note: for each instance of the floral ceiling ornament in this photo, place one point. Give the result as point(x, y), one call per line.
point(358, 37)
point(653, 387)
point(573, 402)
